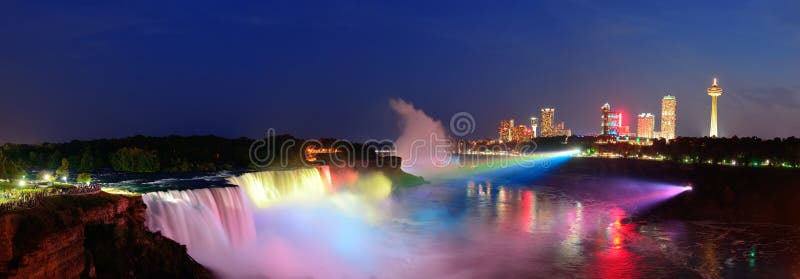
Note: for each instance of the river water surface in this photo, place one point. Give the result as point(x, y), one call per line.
point(489, 227)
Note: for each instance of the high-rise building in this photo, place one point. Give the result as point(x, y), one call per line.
point(506, 130)
point(714, 91)
point(645, 124)
point(548, 115)
point(611, 121)
point(521, 133)
point(534, 125)
point(561, 130)
point(668, 120)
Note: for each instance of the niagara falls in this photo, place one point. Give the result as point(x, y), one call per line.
point(399, 139)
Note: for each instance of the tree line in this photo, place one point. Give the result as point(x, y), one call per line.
point(131, 154)
point(143, 154)
point(744, 150)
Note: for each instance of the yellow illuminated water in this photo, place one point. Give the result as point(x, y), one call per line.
point(269, 187)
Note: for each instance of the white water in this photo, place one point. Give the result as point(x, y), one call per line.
point(269, 187)
point(203, 219)
point(276, 223)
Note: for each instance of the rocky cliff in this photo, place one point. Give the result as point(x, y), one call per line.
point(91, 236)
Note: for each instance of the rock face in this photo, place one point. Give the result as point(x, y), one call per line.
point(92, 236)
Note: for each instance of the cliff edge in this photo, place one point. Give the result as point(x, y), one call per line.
point(90, 236)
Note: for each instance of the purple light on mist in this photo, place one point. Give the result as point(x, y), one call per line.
point(632, 194)
point(649, 194)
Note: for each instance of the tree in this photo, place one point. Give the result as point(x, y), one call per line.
point(54, 157)
point(87, 161)
point(133, 159)
point(84, 178)
point(63, 170)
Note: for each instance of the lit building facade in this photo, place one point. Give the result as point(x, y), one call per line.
point(645, 125)
point(506, 130)
point(561, 130)
point(714, 91)
point(548, 115)
point(521, 133)
point(611, 121)
point(668, 117)
point(534, 125)
point(625, 130)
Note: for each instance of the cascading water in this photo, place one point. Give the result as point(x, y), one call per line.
point(268, 187)
point(271, 224)
point(201, 218)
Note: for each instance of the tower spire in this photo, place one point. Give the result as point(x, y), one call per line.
point(714, 91)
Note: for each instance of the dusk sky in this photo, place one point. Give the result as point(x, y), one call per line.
point(93, 69)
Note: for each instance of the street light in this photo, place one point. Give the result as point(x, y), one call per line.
point(64, 178)
point(21, 182)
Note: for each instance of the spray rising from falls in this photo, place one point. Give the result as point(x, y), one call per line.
point(427, 151)
point(423, 142)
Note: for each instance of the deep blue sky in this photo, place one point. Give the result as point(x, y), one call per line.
point(90, 69)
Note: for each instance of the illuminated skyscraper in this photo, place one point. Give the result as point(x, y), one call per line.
point(668, 120)
point(547, 122)
point(714, 91)
point(645, 124)
point(610, 120)
point(534, 125)
point(521, 133)
point(506, 130)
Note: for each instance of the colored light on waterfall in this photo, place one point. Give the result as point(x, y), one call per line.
point(269, 187)
point(374, 186)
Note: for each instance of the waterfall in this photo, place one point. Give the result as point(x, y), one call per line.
point(237, 232)
point(202, 219)
point(268, 187)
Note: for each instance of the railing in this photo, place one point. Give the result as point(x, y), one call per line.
point(21, 200)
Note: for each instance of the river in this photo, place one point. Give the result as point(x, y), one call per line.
point(494, 227)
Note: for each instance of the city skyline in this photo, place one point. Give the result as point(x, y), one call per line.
point(612, 122)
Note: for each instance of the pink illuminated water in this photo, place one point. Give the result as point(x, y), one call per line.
point(215, 219)
point(572, 227)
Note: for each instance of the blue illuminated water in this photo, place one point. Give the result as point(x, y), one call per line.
point(492, 227)
point(580, 228)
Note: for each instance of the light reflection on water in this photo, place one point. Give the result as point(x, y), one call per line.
point(576, 227)
point(484, 229)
